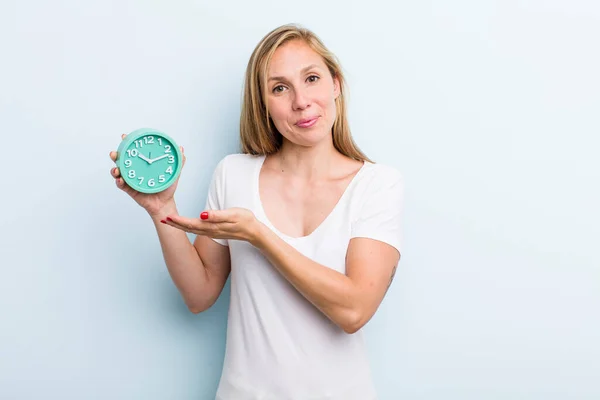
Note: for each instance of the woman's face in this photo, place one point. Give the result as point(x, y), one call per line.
point(301, 94)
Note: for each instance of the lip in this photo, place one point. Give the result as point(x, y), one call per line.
point(307, 123)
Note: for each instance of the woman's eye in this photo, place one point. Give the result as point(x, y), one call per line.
point(278, 89)
point(313, 78)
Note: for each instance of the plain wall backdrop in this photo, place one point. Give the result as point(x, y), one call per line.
point(489, 109)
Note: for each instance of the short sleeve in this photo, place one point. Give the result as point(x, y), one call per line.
point(381, 213)
point(216, 193)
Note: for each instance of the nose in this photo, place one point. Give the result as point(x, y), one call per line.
point(301, 100)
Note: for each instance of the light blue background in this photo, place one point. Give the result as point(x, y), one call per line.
point(489, 108)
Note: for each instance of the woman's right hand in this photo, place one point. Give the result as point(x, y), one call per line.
point(153, 203)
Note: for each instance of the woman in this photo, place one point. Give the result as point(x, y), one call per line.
point(308, 227)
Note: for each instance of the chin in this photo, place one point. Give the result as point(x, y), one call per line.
point(310, 139)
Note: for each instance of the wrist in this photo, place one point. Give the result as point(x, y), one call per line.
point(258, 235)
point(161, 213)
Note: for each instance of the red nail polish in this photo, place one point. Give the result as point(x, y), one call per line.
point(204, 215)
point(163, 221)
point(169, 219)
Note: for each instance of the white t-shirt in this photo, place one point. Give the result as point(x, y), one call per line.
point(279, 346)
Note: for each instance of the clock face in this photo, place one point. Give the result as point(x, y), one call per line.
point(150, 162)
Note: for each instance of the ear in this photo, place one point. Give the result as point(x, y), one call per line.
point(336, 87)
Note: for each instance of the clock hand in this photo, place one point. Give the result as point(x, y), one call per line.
point(159, 158)
point(140, 155)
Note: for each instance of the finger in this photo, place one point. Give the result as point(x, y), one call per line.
point(178, 222)
point(175, 225)
point(115, 172)
point(120, 183)
point(169, 221)
point(183, 154)
point(188, 224)
point(124, 187)
point(201, 229)
point(113, 154)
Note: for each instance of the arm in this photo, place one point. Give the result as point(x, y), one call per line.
point(350, 299)
point(199, 271)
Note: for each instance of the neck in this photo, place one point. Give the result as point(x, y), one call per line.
point(310, 163)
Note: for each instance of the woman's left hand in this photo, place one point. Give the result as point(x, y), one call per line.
point(232, 223)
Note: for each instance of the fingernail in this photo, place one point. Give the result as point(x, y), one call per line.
point(169, 219)
point(163, 221)
point(204, 215)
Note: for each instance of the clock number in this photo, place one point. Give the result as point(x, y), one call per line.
point(128, 163)
point(167, 148)
point(139, 143)
point(132, 153)
point(151, 182)
point(141, 178)
point(169, 170)
point(159, 141)
point(161, 178)
point(131, 173)
point(149, 139)
point(171, 159)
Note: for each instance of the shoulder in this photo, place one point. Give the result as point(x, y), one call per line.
point(381, 176)
point(378, 205)
point(235, 163)
point(232, 177)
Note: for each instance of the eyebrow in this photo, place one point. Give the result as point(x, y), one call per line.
point(281, 78)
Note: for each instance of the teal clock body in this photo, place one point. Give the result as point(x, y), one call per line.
point(149, 160)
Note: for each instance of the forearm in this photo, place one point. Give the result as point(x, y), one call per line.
point(332, 292)
point(183, 262)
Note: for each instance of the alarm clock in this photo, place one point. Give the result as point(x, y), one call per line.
point(149, 160)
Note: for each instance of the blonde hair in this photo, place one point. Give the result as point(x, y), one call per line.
point(257, 133)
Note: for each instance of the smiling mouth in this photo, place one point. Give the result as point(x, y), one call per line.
point(307, 123)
